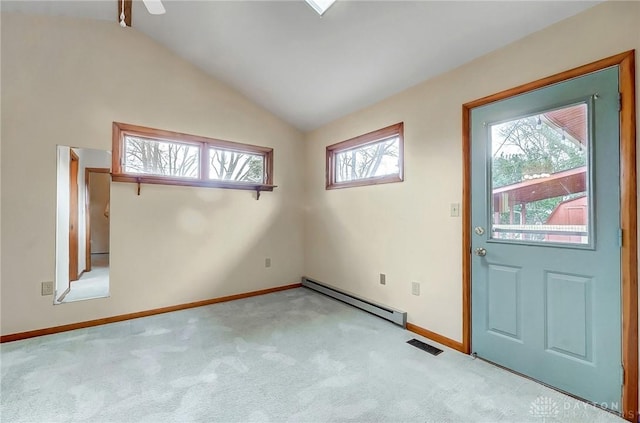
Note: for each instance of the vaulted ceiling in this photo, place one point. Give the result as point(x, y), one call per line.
point(310, 70)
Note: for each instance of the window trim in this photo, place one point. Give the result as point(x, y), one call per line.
point(120, 130)
point(360, 141)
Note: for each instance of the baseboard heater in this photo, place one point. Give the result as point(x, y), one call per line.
point(395, 316)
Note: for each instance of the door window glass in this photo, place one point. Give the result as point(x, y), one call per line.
point(539, 177)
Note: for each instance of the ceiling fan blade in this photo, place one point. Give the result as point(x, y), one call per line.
point(155, 7)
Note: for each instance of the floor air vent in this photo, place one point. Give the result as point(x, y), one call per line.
point(425, 347)
point(395, 316)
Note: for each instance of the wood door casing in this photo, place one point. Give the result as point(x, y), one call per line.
point(74, 165)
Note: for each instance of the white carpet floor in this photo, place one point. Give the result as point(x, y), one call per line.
point(292, 356)
point(93, 284)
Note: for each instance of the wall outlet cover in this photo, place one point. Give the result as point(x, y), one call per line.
point(383, 279)
point(267, 262)
point(47, 288)
point(415, 288)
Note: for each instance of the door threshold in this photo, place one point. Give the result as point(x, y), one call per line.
point(569, 394)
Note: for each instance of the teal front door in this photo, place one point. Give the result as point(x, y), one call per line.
point(545, 215)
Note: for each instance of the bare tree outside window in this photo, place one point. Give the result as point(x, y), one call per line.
point(156, 156)
point(368, 161)
point(152, 157)
point(235, 166)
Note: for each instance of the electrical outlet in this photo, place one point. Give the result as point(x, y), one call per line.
point(383, 279)
point(267, 262)
point(455, 209)
point(415, 288)
point(47, 288)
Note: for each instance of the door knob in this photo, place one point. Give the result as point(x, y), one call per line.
point(480, 252)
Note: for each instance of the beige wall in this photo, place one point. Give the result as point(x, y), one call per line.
point(405, 230)
point(63, 82)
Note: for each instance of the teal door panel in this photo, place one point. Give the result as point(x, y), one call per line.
point(545, 215)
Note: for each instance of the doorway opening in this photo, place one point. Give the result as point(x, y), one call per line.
point(94, 281)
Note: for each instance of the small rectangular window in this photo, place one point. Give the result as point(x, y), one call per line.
point(230, 165)
point(161, 157)
point(373, 158)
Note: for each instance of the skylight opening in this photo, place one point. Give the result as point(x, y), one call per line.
point(320, 6)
